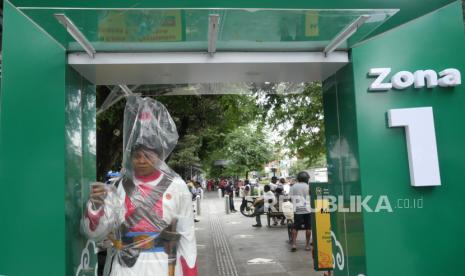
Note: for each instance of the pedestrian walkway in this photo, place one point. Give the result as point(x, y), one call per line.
point(228, 245)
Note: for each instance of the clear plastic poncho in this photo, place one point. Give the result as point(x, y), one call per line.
point(147, 213)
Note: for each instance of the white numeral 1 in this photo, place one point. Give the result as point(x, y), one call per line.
point(421, 143)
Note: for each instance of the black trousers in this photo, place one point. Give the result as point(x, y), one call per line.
point(231, 202)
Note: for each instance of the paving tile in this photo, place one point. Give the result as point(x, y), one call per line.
point(246, 243)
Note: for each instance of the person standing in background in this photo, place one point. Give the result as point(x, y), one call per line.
point(229, 190)
point(300, 197)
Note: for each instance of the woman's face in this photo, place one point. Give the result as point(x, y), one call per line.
point(144, 162)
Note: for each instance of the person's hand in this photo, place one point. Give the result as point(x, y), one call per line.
point(168, 235)
point(98, 193)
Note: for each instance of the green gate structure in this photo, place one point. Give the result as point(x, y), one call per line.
point(393, 104)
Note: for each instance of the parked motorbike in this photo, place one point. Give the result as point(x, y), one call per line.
point(247, 208)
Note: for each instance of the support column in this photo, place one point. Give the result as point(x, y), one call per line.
point(47, 149)
point(366, 157)
point(32, 150)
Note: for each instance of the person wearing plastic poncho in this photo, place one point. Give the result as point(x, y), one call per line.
point(147, 213)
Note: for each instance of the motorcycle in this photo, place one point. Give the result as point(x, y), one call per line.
point(247, 208)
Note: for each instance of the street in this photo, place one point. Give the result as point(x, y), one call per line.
point(228, 245)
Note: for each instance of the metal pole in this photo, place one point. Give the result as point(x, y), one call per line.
point(226, 206)
point(198, 205)
point(219, 192)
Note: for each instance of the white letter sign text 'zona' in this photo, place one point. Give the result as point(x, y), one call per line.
point(421, 143)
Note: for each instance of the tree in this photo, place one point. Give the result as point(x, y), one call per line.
point(298, 166)
point(202, 122)
point(248, 149)
point(298, 117)
point(302, 165)
point(209, 119)
point(109, 135)
point(186, 154)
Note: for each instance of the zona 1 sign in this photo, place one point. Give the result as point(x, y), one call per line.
point(419, 79)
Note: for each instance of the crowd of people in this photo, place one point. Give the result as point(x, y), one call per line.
point(294, 191)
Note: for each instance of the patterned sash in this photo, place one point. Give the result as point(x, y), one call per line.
point(143, 210)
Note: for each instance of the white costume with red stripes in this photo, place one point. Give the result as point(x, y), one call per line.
point(175, 203)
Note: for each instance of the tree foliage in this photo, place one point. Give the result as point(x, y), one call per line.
point(302, 165)
point(186, 154)
point(109, 135)
point(297, 117)
point(247, 149)
point(206, 121)
point(203, 122)
point(298, 166)
point(206, 125)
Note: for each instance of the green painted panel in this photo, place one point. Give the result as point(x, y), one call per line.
point(73, 169)
point(32, 150)
point(333, 156)
point(408, 9)
point(89, 162)
point(187, 29)
point(80, 168)
point(413, 241)
point(344, 171)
